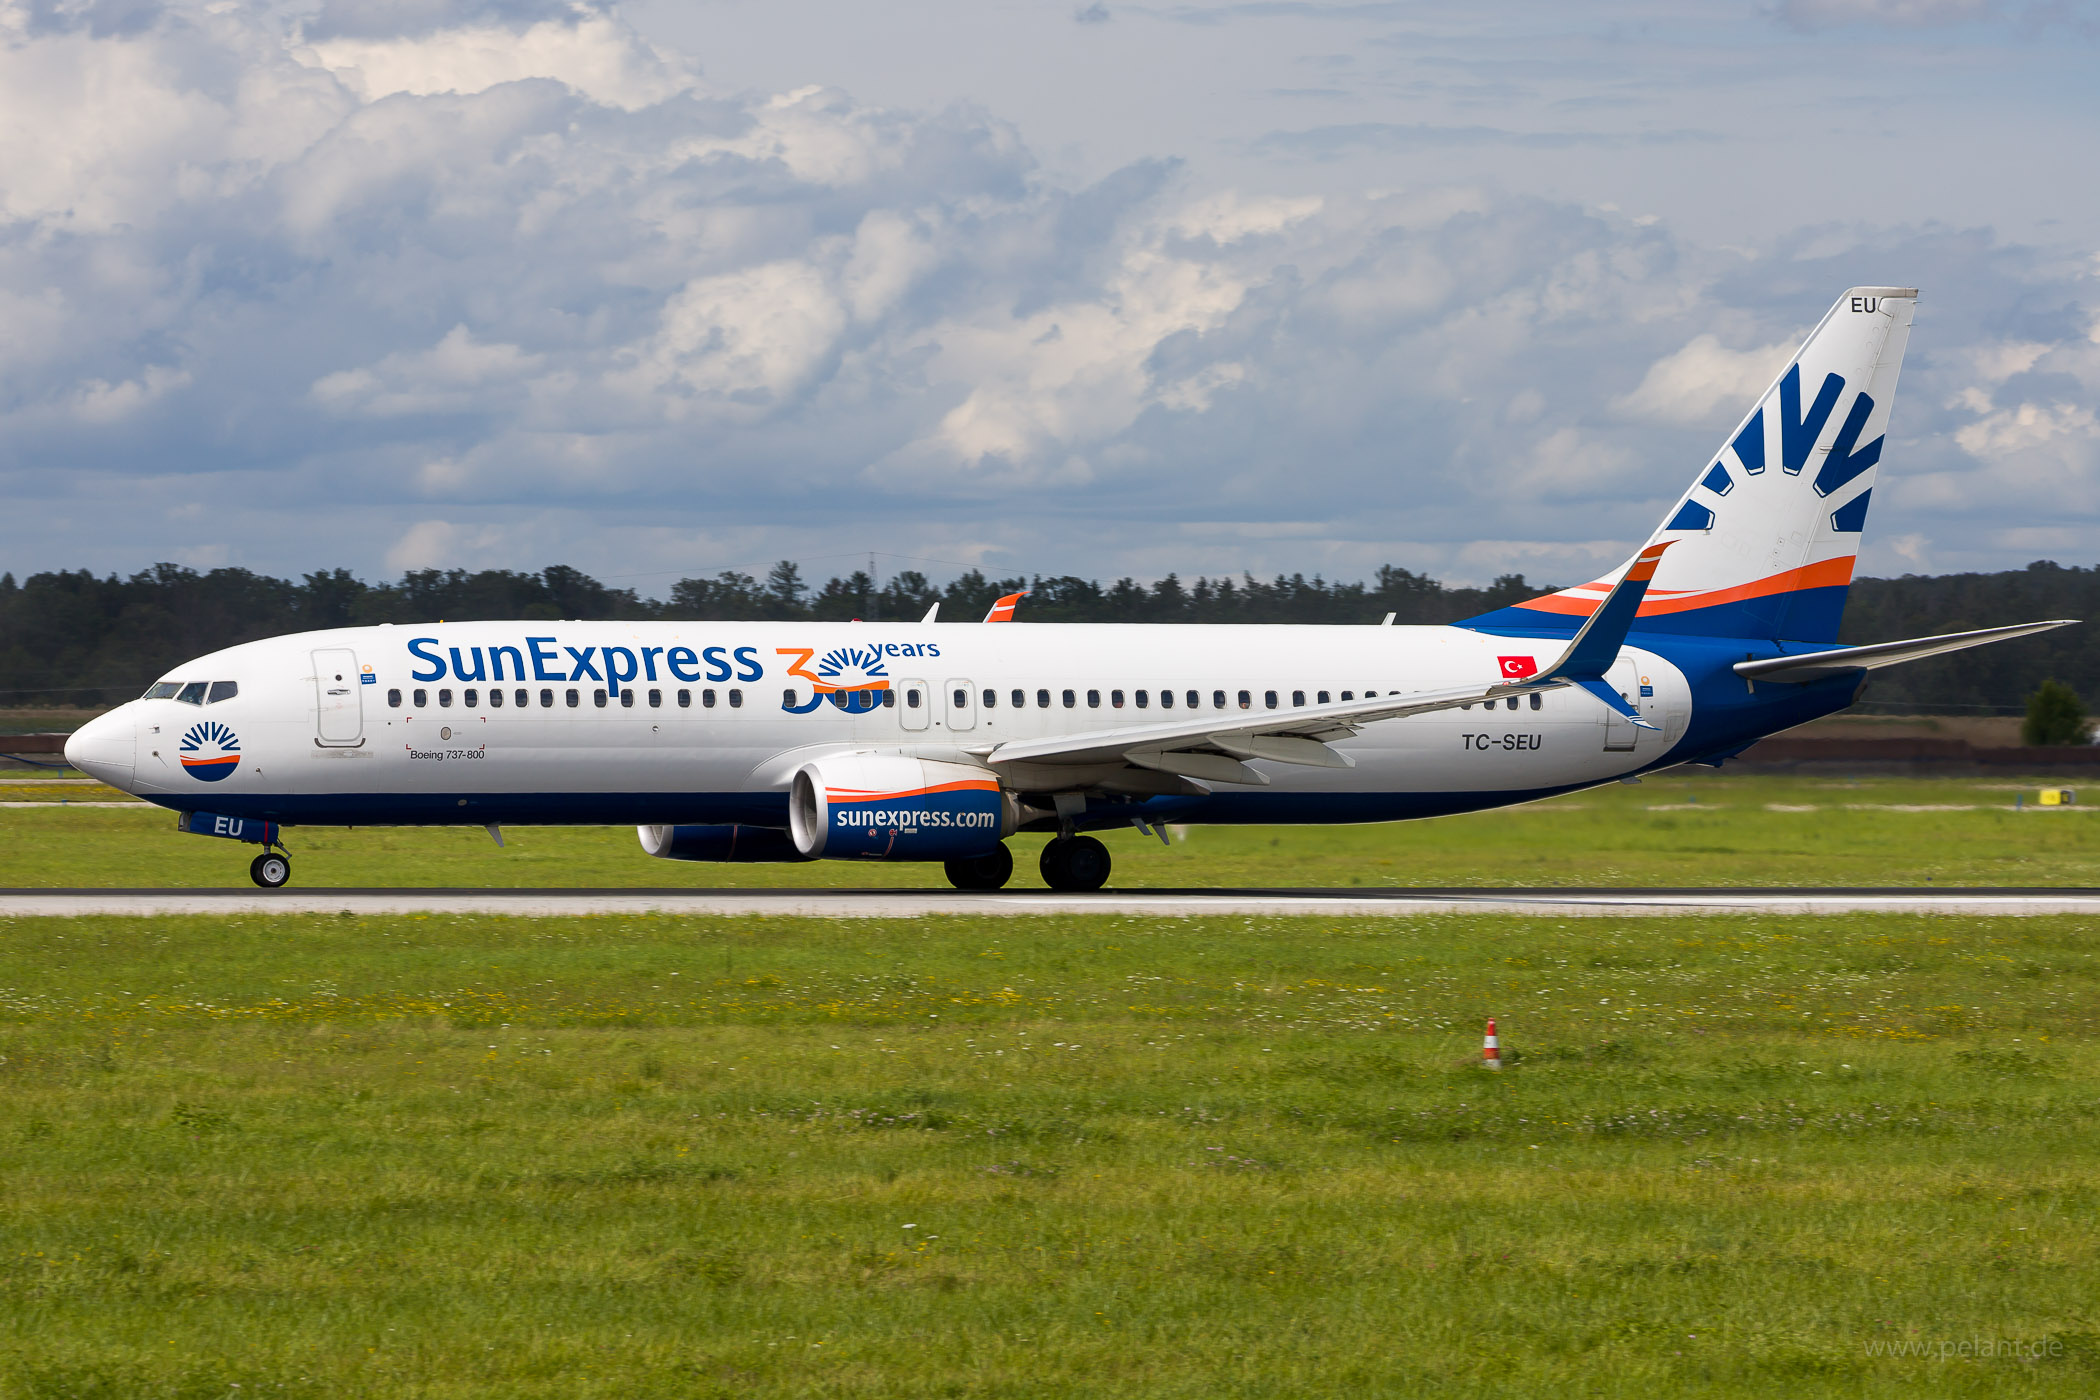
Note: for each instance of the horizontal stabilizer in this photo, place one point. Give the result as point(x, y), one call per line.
point(1815, 665)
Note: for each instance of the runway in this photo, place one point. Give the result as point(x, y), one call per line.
point(1157, 903)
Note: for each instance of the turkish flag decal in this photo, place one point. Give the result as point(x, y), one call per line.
point(1518, 668)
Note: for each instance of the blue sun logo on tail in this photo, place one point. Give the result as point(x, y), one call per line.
point(209, 752)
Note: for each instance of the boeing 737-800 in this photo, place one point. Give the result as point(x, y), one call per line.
point(756, 741)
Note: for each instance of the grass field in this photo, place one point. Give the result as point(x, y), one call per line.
point(442, 1157)
point(1688, 827)
point(481, 1157)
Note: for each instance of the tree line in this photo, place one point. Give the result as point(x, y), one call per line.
point(69, 637)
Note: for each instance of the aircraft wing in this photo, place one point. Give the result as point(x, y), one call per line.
point(1815, 665)
point(1214, 746)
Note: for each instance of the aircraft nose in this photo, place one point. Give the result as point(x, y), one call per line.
point(106, 747)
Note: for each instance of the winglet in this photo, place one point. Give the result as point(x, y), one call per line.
point(1003, 610)
point(1597, 645)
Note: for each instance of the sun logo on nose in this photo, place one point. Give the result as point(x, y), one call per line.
point(852, 668)
point(209, 752)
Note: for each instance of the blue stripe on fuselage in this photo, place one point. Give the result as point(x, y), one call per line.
point(1803, 615)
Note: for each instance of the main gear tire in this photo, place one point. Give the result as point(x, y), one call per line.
point(989, 871)
point(1075, 864)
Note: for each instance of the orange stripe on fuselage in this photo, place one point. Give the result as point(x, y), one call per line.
point(869, 795)
point(1831, 573)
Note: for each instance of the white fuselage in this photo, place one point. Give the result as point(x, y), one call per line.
point(669, 722)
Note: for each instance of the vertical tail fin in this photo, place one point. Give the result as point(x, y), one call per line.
point(1767, 536)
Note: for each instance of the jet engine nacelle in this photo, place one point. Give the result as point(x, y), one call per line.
point(889, 807)
point(723, 843)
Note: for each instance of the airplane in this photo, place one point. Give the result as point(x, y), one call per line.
point(773, 742)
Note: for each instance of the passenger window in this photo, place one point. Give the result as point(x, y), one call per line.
point(1196, 701)
point(1042, 699)
point(598, 698)
point(161, 690)
point(496, 699)
point(889, 699)
point(419, 698)
point(1093, 699)
point(1115, 699)
point(626, 699)
point(1166, 699)
point(445, 699)
point(1071, 698)
point(1246, 700)
point(1348, 695)
point(223, 690)
point(707, 698)
point(1323, 698)
point(960, 699)
point(1510, 703)
point(911, 698)
point(1297, 697)
point(393, 699)
point(1217, 699)
point(546, 699)
point(1019, 699)
point(193, 693)
point(1536, 700)
point(787, 698)
point(685, 699)
point(1268, 700)
point(574, 697)
point(736, 699)
point(656, 699)
point(522, 697)
point(991, 699)
point(470, 698)
point(1142, 698)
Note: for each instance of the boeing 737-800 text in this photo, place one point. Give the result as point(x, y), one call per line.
point(752, 741)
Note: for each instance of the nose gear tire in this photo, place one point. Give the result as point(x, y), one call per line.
point(270, 870)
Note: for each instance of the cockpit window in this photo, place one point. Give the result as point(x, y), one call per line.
point(161, 690)
point(193, 693)
point(223, 690)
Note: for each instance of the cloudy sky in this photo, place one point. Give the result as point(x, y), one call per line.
point(1098, 288)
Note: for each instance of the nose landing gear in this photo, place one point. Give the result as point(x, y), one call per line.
point(270, 869)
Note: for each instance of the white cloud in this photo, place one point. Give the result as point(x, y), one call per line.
point(2025, 427)
point(1692, 384)
point(98, 401)
point(452, 376)
point(1902, 14)
point(530, 284)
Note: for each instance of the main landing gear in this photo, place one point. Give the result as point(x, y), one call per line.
point(270, 869)
point(1075, 864)
point(989, 871)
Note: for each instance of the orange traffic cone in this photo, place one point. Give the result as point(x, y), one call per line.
point(1491, 1049)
